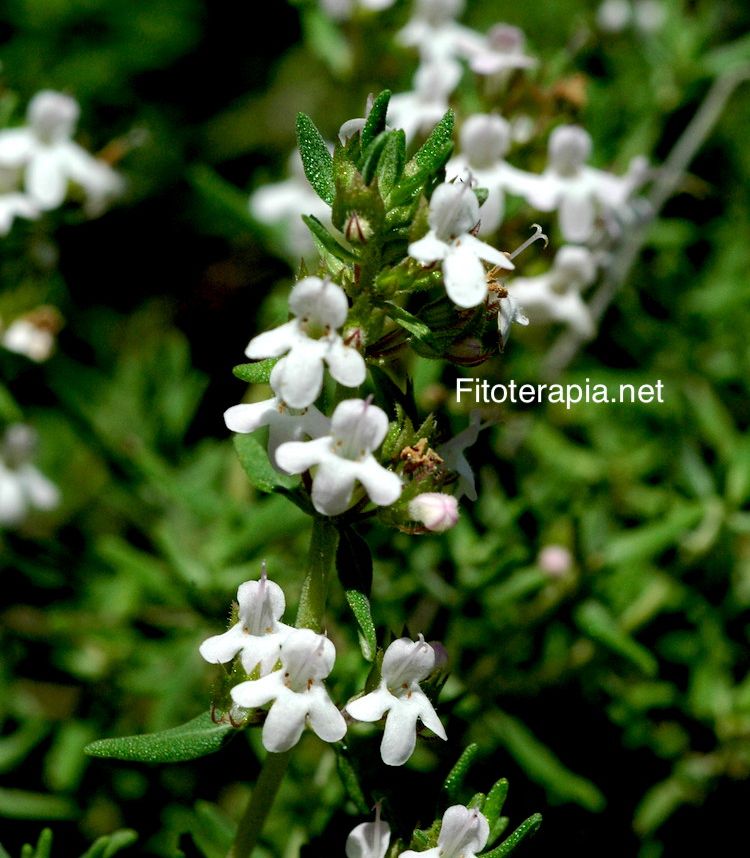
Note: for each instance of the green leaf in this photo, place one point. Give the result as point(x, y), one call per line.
point(391, 164)
point(111, 844)
point(360, 605)
point(326, 40)
point(259, 470)
point(20, 804)
point(354, 567)
point(431, 156)
point(597, 622)
point(255, 373)
point(645, 542)
point(328, 242)
point(375, 122)
point(455, 780)
point(372, 157)
point(350, 779)
point(44, 844)
point(493, 807)
point(524, 830)
point(540, 764)
point(189, 741)
point(316, 158)
point(224, 202)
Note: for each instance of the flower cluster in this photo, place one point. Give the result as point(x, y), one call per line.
point(39, 162)
point(285, 668)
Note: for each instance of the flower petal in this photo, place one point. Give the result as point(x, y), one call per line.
point(258, 692)
point(576, 217)
point(382, 485)
point(346, 364)
point(428, 249)
point(427, 714)
point(285, 721)
point(16, 146)
point(369, 840)
point(372, 706)
point(333, 486)
point(325, 719)
point(298, 377)
point(46, 180)
point(487, 252)
point(464, 276)
point(273, 343)
point(294, 457)
point(247, 417)
point(42, 493)
point(400, 735)
point(220, 649)
point(261, 650)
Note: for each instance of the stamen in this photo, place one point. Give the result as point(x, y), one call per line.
point(529, 241)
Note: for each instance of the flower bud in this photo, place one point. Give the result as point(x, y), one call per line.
point(469, 351)
point(357, 229)
point(555, 560)
point(569, 149)
point(485, 140)
point(53, 115)
point(435, 510)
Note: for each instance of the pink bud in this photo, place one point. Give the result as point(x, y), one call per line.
point(436, 511)
point(555, 560)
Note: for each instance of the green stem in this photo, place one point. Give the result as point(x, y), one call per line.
point(312, 602)
point(261, 800)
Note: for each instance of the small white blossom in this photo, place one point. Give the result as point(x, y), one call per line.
point(508, 312)
point(25, 338)
point(648, 16)
point(453, 455)
point(419, 110)
point(50, 159)
point(344, 458)
point(485, 141)
point(285, 423)
point(310, 341)
point(463, 832)
point(454, 213)
point(578, 192)
point(556, 295)
point(555, 560)
point(296, 693)
point(258, 634)
point(405, 664)
point(433, 30)
point(370, 839)
point(437, 511)
point(13, 203)
point(23, 487)
point(503, 52)
point(282, 204)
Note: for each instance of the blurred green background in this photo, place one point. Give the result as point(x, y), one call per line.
point(616, 697)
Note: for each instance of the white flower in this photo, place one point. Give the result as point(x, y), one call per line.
point(25, 338)
point(282, 205)
point(454, 212)
point(405, 664)
point(503, 52)
point(463, 833)
point(435, 510)
point(51, 159)
point(340, 10)
point(370, 839)
point(485, 141)
point(555, 560)
point(577, 191)
point(453, 455)
point(556, 295)
point(508, 312)
point(296, 693)
point(613, 16)
point(433, 30)
point(285, 424)
point(344, 458)
point(22, 486)
point(258, 634)
point(309, 342)
point(422, 108)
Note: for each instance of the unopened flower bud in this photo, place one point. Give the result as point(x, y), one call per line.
point(441, 656)
point(555, 560)
point(357, 229)
point(468, 351)
point(485, 139)
point(435, 510)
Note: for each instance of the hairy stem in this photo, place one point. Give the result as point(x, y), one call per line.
point(259, 806)
point(312, 603)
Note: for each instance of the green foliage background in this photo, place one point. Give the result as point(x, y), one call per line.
point(617, 698)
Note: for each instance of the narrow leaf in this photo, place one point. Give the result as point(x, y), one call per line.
point(328, 242)
point(258, 468)
point(371, 157)
point(189, 741)
point(455, 780)
point(354, 567)
point(524, 830)
point(255, 373)
point(493, 807)
point(391, 163)
point(375, 123)
point(598, 623)
point(111, 844)
point(430, 157)
point(316, 158)
point(350, 780)
point(360, 605)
